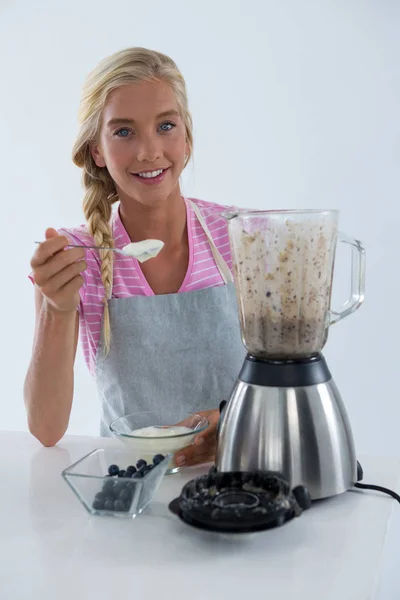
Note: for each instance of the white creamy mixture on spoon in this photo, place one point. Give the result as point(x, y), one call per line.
point(143, 250)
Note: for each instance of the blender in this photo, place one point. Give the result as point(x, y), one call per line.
point(285, 413)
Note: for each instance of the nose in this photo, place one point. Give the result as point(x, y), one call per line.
point(148, 150)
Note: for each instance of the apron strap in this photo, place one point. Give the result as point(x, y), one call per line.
point(223, 268)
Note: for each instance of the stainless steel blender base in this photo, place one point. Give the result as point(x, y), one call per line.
point(302, 432)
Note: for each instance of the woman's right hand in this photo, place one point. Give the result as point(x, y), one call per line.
point(57, 272)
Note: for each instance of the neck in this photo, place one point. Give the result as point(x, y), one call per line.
point(165, 221)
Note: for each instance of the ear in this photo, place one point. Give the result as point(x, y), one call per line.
point(97, 155)
point(187, 150)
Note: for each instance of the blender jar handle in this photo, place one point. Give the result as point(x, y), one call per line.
point(357, 280)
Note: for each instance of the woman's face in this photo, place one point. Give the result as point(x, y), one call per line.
point(142, 142)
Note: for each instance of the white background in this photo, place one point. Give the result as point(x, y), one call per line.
point(295, 104)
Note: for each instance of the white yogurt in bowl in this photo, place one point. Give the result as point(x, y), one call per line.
point(158, 432)
point(163, 439)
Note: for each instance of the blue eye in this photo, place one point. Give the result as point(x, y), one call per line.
point(167, 126)
point(124, 132)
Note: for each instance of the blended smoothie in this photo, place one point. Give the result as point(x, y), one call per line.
point(283, 272)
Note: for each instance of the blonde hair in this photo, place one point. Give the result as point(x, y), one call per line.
point(122, 68)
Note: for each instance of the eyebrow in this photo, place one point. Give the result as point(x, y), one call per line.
point(122, 121)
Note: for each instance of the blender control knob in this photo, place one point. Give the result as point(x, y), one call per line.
point(222, 406)
point(302, 496)
point(221, 410)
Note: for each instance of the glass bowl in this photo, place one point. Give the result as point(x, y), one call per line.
point(102, 494)
point(186, 426)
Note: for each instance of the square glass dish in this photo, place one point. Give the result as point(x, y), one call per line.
point(124, 495)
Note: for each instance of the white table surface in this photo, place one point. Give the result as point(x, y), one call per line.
point(51, 548)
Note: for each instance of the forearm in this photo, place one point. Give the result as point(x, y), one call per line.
point(49, 382)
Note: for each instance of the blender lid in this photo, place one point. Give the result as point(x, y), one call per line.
point(236, 502)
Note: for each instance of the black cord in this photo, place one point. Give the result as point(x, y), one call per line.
point(378, 488)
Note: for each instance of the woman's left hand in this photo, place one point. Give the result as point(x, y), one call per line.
point(205, 444)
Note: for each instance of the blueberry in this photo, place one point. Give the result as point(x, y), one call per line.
point(113, 470)
point(131, 469)
point(157, 459)
point(145, 470)
point(137, 475)
point(101, 496)
point(121, 473)
point(119, 505)
point(108, 485)
point(141, 463)
point(118, 487)
point(109, 505)
point(125, 495)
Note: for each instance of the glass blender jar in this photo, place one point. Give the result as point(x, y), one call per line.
point(283, 264)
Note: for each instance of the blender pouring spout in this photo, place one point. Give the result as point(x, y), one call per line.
point(229, 215)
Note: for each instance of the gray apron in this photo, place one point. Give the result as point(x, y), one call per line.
point(179, 352)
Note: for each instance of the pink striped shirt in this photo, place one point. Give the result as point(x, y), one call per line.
point(128, 278)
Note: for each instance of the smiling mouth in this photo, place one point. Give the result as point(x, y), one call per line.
point(150, 174)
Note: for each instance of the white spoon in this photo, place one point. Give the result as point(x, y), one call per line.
point(142, 251)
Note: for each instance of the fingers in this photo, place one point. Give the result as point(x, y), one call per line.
point(72, 286)
point(202, 451)
point(68, 290)
point(61, 279)
point(62, 259)
point(204, 447)
point(57, 271)
point(50, 233)
point(48, 249)
point(185, 459)
point(67, 298)
point(209, 435)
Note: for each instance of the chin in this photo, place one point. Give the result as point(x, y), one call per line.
point(151, 196)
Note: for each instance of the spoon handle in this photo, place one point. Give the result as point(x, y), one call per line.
point(85, 246)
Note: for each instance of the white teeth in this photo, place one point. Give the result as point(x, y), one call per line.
point(150, 175)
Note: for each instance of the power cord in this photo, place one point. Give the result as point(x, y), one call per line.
point(376, 488)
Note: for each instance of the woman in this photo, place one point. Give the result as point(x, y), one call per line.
point(163, 334)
